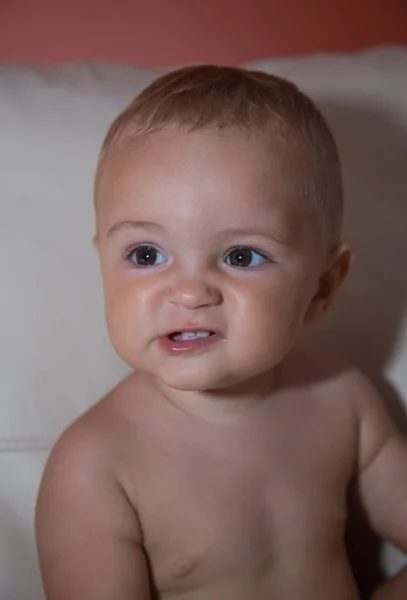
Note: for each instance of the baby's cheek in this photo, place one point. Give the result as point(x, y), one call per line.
point(120, 317)
point(277, 314)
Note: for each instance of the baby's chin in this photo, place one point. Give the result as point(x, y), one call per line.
point(195, 378)
point(193, 382)
point(201, 379)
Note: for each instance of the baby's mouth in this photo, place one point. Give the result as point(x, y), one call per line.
point(182, 336)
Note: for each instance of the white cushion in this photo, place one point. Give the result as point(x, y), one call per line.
point(19, 573)
point(55, 357)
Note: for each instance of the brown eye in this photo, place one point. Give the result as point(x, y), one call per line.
point(146, 256)
point(245, 257)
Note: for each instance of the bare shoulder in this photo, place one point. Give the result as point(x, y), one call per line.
point(320, 367)
point(87, 530)
point(95, 442)
point(90, 457)
point(336, 377)
point(84, 462)
point(353, 387)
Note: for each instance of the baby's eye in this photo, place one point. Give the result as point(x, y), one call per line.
point(245, 256)
point(145, 256)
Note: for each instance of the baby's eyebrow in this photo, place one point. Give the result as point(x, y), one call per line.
point(248, 231)
point(122, 225)
point(156, 227)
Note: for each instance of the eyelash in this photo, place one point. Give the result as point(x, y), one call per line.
point(129, 251)
point(249, 247)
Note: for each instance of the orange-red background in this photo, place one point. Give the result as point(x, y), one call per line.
point(170, 32)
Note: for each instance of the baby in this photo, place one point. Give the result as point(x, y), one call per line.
point(222, 468)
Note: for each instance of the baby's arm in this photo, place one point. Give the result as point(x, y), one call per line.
point(88, 535)
point(381, 483)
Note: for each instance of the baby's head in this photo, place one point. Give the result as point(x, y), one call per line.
point(219, 207)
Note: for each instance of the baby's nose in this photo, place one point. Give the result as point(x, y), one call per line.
point(193, 293)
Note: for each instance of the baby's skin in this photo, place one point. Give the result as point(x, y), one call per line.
point(223, 466)
point(158, 502)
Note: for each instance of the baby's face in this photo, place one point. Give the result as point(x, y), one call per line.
point(203, 232)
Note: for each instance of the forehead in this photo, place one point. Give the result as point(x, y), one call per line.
point(202, 175)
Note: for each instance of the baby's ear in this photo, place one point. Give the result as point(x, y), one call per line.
point(95, 242)
point(339, 264)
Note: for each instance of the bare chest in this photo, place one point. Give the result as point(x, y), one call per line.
point(234, 504)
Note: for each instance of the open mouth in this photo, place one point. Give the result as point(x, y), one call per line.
point(186, 342)
point(183, 336)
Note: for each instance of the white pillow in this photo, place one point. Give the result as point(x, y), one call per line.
point(55, 358)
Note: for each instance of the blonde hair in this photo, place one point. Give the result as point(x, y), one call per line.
point(202, 97)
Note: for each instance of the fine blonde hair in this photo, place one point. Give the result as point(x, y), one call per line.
point(214, 97)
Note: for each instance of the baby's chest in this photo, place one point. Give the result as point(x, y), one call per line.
point(212, 517)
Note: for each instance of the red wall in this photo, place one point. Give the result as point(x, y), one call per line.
point(170, 32)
